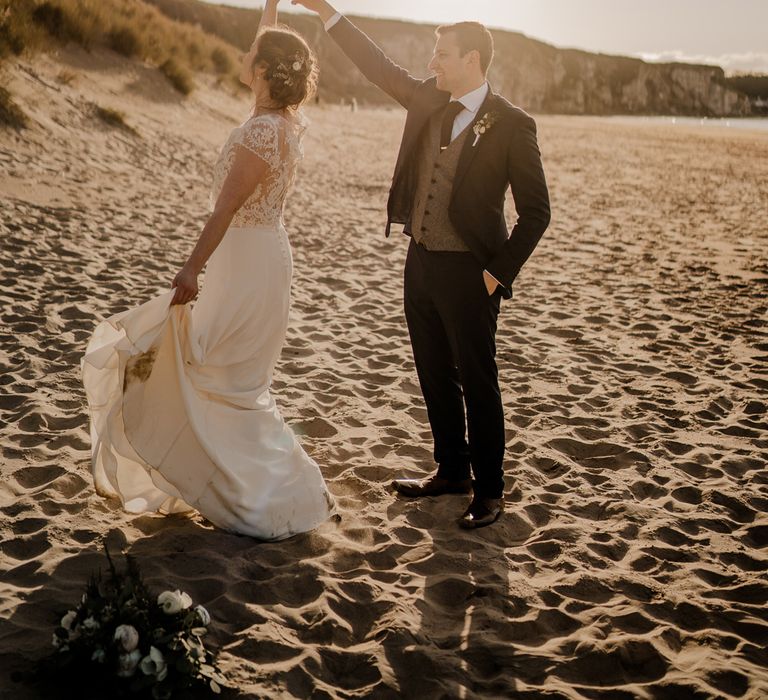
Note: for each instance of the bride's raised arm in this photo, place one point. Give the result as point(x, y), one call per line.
point(268, 15)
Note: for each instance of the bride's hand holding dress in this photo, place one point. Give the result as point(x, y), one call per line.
point(185, 284)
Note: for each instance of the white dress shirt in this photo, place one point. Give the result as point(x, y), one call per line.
point(472, 102)
point(332, 20)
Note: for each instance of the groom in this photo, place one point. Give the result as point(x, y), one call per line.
point(462, 147)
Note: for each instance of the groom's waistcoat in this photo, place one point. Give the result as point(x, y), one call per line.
point(430, 223)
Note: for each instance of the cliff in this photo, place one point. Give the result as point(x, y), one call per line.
point(532, 74)
point(755, 87)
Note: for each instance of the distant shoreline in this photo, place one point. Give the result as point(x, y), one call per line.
point(751, 123)
point(741, 123)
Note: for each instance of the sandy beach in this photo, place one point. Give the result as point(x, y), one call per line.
point(631, 561)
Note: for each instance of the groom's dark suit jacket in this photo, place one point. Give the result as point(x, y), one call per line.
point(506, 155)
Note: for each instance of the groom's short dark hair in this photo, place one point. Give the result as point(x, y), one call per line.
point(471, 36)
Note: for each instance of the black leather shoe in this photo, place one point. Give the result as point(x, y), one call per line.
point(433, 486)
point(482, 512)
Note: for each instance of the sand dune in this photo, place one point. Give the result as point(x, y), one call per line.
point(632, 560)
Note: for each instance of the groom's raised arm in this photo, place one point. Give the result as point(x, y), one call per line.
point(372, 62)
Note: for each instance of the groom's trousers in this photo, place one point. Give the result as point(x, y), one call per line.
point(452, 324)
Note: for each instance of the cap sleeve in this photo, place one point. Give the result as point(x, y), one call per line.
point(261, 136)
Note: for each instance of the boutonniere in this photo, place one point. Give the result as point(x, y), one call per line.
point(483, 124)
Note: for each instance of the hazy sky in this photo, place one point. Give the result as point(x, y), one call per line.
point(729, 33)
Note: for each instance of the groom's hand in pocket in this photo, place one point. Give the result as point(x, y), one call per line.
point(185, 284)
point(491, 283)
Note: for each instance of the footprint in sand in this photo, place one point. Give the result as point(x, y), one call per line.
point(25, 548)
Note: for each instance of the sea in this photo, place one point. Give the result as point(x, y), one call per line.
point(747, 123)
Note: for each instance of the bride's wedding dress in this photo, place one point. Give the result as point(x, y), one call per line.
point(181, 413)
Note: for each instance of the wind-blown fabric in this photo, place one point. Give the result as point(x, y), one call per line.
point(181, 413)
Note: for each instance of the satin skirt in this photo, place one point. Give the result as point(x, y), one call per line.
point(181, 413)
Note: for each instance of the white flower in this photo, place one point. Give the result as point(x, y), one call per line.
point(90, 623)
point(99, 655)
point(68, 619)
point(483, 125)
point(296, 65)
point(153, 664)
point(173, 601)
point(203, 614)
point(127, 637)
point(127, 663)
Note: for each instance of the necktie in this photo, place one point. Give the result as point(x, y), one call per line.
point(450, 113)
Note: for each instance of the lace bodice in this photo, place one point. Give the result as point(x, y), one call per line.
point(278, 141)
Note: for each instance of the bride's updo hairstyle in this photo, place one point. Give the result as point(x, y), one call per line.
point(290, 66)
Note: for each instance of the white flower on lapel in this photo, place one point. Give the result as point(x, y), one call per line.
point(484, 124)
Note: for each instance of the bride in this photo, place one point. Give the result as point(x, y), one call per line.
point(181, 413)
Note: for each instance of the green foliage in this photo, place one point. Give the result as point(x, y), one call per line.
point(120, 641)
point(178, 76)
point(125, 40)
point(15, 27)
point(222, 62)
point(60, 23)
point(194, 53)
point(233, 24)
point(11, 42)
point(756, 86)
point(10, 114)
point(133, 28)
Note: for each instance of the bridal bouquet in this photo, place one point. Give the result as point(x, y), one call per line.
point(122, 641)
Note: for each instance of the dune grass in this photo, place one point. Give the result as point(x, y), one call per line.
point(66, 77)
point(10, 113)
point(177, 76)
point(132, 28)
point(125, 40)
point(113, 118)
point(223, 62)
